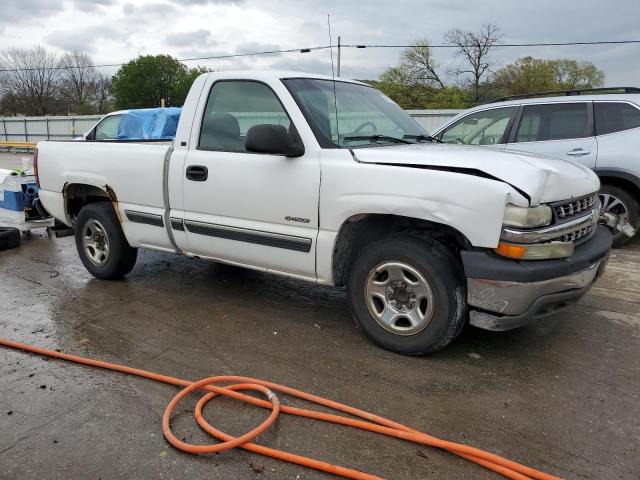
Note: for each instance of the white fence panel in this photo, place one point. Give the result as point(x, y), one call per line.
point(33, 129)
point(430, 120)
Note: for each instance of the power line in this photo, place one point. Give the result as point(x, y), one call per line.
point(501, 45)
point(211, 57)
point(325, 47)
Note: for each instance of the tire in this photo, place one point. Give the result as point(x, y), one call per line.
point(442, 305)
point(101, 244)
point(9, 238)
point(622, 202)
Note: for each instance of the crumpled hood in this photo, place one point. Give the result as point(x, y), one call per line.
point(544, 179)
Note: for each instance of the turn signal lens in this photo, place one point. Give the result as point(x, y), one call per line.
point(511, 251)
point(538, 251)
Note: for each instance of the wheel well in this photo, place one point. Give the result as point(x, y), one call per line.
point(361, 230)
point(627, 185)
point(78, 195)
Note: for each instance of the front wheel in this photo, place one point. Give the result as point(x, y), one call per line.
point(621, 203)
point(101, 244)
point(408, 295)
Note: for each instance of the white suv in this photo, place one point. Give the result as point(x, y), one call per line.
point(599, 128)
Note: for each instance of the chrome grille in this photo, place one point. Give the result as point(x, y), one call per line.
point(574, 207)
point(576, 234)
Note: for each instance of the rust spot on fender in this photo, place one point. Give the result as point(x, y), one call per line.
point(114, 200)
point(65, 194)
point(111, 193)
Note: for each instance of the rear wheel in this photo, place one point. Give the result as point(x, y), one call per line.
point(621, 203)
point(101, 244)
point(407, 294)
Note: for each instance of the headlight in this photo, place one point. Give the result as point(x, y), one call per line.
point(535, 251)
point(525, 217)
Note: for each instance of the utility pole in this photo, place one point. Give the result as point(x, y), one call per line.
point(339, 51)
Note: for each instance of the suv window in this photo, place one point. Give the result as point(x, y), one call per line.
point(107, 129)
point(554, 121)
point(486, 127)
point(235, 106)
point(615, 117)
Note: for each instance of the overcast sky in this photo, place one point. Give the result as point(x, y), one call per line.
point(114, 31)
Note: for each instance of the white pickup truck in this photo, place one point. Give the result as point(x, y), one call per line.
point(331, 182)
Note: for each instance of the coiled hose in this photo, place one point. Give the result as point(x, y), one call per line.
point(366, 421)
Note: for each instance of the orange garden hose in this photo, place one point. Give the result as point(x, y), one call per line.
point(370, 422)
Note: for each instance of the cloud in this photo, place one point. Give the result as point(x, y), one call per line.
point(179, 28)
point(21, 11)
point(148, 11)
point(87, 5)
point(82, 40)
point(208, 2)
point(251, 47)
point(186, 39)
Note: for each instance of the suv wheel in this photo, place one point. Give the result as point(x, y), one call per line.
point(102, 246)
point(408, 295)
point(621, 203)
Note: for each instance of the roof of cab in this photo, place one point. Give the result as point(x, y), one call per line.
point(276, 74)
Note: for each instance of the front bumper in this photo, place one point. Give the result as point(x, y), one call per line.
point(504, 294)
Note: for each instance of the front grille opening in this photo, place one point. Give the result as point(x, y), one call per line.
point(574, 207)
point(576, 235)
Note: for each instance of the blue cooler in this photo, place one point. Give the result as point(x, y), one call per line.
point(17, 196)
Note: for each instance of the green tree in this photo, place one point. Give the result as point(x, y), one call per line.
point(146, 80)
point(416, 82)
point(529, 75)
point(398, 85)
point(572, 74)
point(184, 84)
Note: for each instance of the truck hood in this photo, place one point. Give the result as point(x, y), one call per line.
point(541, 178)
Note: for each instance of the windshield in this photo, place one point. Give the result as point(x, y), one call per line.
point(366, 117)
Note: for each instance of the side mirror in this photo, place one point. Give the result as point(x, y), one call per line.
point(273, 139)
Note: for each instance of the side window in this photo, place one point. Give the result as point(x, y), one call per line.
point(615, 117)
point(553, 122)
point(107, 129)
point(485, 127)
point(233, 107)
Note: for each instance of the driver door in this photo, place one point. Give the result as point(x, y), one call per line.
point(258, 210)
point(482, 127)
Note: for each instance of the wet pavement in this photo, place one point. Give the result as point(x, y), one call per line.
point(562, 395)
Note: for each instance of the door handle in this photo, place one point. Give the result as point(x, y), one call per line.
point(578, 152)
point(197, 173)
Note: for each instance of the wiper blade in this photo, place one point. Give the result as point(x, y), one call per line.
point(375, 138)
point(425, 138)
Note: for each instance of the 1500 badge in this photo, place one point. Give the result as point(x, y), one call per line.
point(296, 219)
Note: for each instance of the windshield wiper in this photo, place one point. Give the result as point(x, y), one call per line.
point(375, 138)
point(424, 138)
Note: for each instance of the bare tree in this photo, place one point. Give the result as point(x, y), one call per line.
point(475, 48)
point(79, 77)
point(101, 92)
point(31, 77)
point(419, 65)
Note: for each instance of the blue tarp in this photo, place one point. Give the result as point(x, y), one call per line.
point(147, 123)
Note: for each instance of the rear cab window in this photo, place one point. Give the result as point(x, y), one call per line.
point(107, 129)
point(611, 117)
point(233, 107)
point(553, 121)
